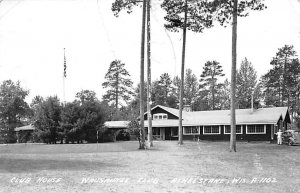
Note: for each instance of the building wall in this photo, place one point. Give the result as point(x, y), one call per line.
point(160, 110)
point(222, 136)
point(226, 137)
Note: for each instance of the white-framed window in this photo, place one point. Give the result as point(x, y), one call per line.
point(255, 129)
point(227, 129)
point(160, 116)
point(212, 130)
point(191, 130)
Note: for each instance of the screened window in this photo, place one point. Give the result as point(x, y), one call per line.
point(191, 130)
point(238, 129)
point(160, 116)
point(211, 129)
point(256, 129)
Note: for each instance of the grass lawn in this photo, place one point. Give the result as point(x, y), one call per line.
point(120, 167)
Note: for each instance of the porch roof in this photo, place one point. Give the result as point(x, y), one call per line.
point(25, 128)
point(116, 124)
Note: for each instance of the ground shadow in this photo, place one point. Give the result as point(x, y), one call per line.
point(19, 165)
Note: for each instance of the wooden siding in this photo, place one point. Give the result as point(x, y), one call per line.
point(226, 137)
point(160, 110)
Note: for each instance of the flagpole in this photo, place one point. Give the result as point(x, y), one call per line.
point(64, 77)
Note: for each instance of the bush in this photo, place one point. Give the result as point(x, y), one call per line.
point(123, 135)
point(106, 135)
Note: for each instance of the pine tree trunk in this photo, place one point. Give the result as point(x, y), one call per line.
point(284, 94)
point(149, 75)
point(213, 94)
point(117, 93)
point(142, 77)
point(180, 132)
point(233, 79)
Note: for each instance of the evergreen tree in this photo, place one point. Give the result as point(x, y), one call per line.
point(118, 84)
point(209, 81)
point(161, 90)
point(69, 118)
point(117, 6)
point(165, 83)
point(175, 87)
point(227, 12)
point(246, 82)
point(224, 95)
point(283, 64)
point(86, 95)
point(183, 14)
point(190, 88)
point(281, 85)
point(47, 120)
point(158, 94)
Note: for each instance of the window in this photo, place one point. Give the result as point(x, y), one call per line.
point(174, 132)
point(190, 130)
point(156, 131)
point(160, 116)
point(227, 129)
point(215, 129)
point(256, 129)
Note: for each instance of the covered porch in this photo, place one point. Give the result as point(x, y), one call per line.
point(164, 133)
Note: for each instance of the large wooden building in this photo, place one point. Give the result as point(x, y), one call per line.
point(252, 124)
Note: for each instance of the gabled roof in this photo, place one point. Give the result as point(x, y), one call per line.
point(25, 128)
point(173, 111)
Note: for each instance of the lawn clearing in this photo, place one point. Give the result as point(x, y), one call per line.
point(120, 167)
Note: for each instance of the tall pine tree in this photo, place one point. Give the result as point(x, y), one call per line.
point(190, 88)
point(209, 81)
point(227, 11)
point(118, 83)
point(246, 81)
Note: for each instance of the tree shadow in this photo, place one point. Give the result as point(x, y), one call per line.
point(19, 165)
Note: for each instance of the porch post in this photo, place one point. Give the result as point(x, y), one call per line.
point(18, 140)
point(272, 132)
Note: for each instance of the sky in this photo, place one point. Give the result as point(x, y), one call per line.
point(34, 33)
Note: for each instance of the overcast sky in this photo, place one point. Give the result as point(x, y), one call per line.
point(33, 34)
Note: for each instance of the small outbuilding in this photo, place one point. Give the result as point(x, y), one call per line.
point(24, 133)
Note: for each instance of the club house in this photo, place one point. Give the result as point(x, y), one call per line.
point(251, 124)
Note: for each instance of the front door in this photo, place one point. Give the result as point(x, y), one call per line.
point(156, 133)
point(168, 133)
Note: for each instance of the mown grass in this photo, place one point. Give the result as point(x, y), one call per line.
point(165, 168)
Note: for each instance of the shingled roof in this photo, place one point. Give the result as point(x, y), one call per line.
point(25, 128)
point(243, 116)
point(116, 124)
point(222, 117)
point(214, 117)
